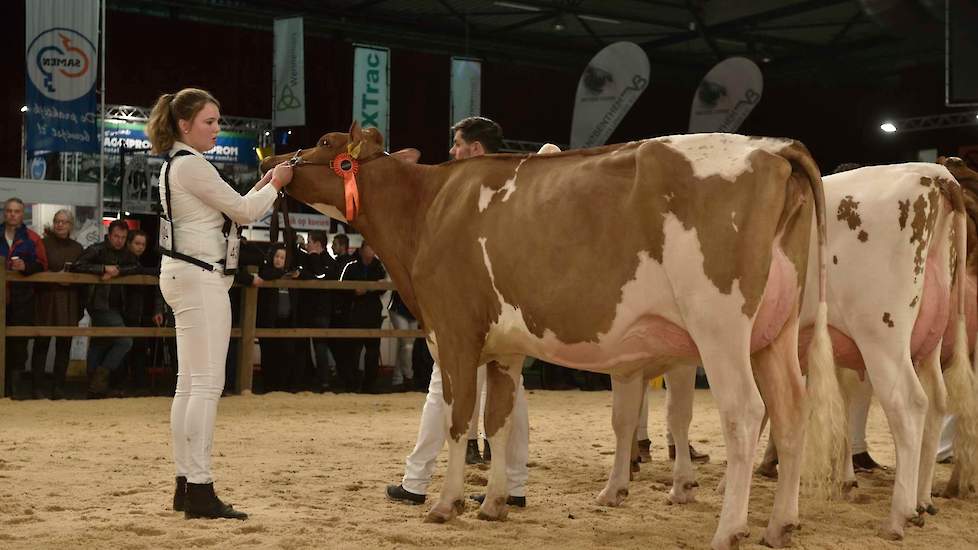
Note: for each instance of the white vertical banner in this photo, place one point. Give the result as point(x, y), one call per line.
point(725, 96)
point(610, 85)
point(466, 88)
point(288, 74)
point(371, 88)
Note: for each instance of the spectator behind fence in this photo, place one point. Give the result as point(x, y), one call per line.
point(250, 255)
point(143, 308)
point(315, 306)
point(340, 304)
point(57, 305)
point(24, 253)
point(106, 304)
point(401, 319)
point(365, 311)
point(277, 308)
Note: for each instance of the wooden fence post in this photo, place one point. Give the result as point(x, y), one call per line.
point(246, 346)
point(3, 325)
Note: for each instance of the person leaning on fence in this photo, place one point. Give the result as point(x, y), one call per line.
point(24, 253)
point(365, 311)
point(142, 310)
point(105, 304)
point(316, 305)
point(197, 200)
point(58, 305)
point(340, 303)
point(277, 308)
point(401, 319)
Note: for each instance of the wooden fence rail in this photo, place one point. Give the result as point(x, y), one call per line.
point(247, 330)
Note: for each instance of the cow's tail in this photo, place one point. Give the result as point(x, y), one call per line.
point(826, 429)
point(959, 377)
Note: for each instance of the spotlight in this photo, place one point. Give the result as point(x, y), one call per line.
point(888, 127)
point(23, 109)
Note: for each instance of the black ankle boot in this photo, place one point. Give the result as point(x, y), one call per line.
point(486, 451)
point(180, 494)
point(472, 455)
point(203, 503)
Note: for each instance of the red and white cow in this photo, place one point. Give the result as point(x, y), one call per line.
point(697, 250)
point(896, 246)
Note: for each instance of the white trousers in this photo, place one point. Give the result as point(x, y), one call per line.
point(945, 449)
point(405, 348)
point(432, 435)
point(202, 310)
point(860, 397)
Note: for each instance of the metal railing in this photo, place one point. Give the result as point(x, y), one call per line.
point(247, 330)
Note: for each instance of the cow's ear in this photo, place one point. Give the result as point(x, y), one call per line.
point(356, 135)
point(407, 155)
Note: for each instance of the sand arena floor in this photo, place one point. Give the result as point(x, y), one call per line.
point(311, 470)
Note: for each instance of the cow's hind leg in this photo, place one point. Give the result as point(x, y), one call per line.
point(627, 400)
point(933, 384)
point(681, 383)
point(726, 358)
point(904, 402)
point(778, 374)
point(502, 392)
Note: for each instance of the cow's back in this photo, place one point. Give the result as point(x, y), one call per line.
point(576, 247)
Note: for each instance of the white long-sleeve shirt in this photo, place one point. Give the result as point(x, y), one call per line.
point(199, 197)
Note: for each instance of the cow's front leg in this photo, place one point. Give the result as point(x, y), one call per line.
point(459, 391)
point(627, 401)
point(504, 396)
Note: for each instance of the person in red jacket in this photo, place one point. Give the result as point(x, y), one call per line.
point(24, 253)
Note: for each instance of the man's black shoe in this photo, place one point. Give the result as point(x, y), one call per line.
point(472, 455)
point(862, 462)
point(398, 492)
point(519, 502)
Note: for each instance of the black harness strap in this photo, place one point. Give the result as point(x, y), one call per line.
point(169, 216)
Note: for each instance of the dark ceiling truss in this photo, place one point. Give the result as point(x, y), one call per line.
point(684, 37)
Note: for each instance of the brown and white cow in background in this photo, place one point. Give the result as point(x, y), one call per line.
point(895, 246)
point(697, 251)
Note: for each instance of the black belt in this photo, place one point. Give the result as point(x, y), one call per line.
point(189, 259)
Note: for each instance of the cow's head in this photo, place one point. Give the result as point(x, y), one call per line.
point(323, 175)
point(959, 169)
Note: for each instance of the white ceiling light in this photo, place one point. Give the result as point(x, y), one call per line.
point(888, 127)
point(517, 6)
point(600, 19)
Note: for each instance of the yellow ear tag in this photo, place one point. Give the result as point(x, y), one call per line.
point(354, 151)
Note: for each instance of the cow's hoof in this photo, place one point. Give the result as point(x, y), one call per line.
point(732, 541)
point(951, 491)
point(917, 520)
point(494, 511)
point(768, 470)
point(611, 497)
point(443, 513)
point(779, 537)
point(683, 494)
point(931, 509)
point(926, 508)
point(888, 532)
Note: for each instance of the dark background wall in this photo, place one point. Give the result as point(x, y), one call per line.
point(148, 56)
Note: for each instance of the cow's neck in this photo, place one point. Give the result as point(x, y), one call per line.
point(396, 196)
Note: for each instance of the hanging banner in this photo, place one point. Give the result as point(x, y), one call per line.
point(288, 74)
point(371, 88)
point(727, 94)
point(62, 66)
point(466, 88)
point(236, 147)
point(610, 85)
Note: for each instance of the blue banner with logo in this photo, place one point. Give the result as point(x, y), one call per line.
point(234, 147)
point(62, 66)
